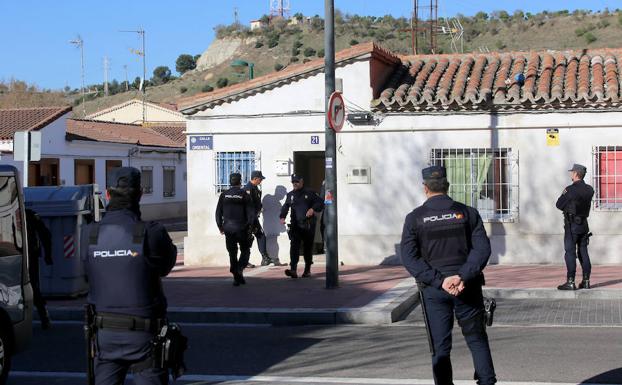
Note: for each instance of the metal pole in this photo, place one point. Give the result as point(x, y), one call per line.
point(332, 256)
point(142, 33)
point(82, 76)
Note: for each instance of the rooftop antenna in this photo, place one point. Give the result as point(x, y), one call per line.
point(79, 43)
point(455, 30)
point(427, 28)
point(236, 17)
point(279, 8)
point(141, 34)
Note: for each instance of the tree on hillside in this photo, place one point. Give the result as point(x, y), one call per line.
point(161, 75)
point(185, 63)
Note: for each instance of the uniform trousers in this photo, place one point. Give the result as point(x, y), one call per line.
point(261, 238)
point(468, 308)
point(117, 351)
point(575, 245)
point(234, 240)
point(297, 236)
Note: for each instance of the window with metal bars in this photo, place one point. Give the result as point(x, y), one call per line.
point(484, 178)
point(243, 162)
point(168, 177)
point(607, 171)
point(146, 179)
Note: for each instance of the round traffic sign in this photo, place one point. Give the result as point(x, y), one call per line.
point(336, 111)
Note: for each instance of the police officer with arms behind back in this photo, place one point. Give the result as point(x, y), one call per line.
point(445, 247)
point(235, 215)
point(125, 259)
point(575, 202)
point(304, 204)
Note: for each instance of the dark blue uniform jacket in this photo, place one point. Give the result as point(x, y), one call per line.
point(300, 201)
point(575, 202)
point(235, 211)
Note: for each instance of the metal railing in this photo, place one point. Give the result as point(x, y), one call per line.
point(607, 177)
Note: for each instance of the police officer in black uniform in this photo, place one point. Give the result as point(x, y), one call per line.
point(235, 215)
point(575, 202)
point(125, 259)
point(252, 188)
point(304, 204)
point(445, 247)
point(39, 239)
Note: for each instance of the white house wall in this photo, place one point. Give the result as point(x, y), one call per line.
point(371, 215)
point(133, 113)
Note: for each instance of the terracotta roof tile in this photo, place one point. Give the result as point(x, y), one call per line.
point(175, 132)
point(193, 104)
point(553, 80)
point(28, 119)
point(109, 132)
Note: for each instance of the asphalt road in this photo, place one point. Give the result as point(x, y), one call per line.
point(396, 354)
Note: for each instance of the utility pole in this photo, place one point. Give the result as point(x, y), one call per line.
point(127, 82)
point(332, 255)
point(106, 64)
point(141, 34)
point(79, 43)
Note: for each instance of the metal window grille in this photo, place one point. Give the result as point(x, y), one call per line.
point(168, 173)
point(243, 162)
point(146, 179)
point(484, 178)
point(607, 171)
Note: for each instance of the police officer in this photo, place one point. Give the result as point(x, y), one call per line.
point(304, 204)
point(125, 259)
point(252, 188)
point(39, 239)
point(235, 215)
point(445, 247)
point(575, 202)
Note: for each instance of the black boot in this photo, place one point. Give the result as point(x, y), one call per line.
point(241, 278)
point(236, 279)
point(569, 285)
point(307, 272)
point(291, 273)
point(45, 318)
point(265, 259)
point(585, 284)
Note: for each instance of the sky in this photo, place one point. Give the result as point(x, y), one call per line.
point(35, 35)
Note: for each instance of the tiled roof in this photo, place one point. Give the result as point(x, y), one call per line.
point(193, 104)
point(28, 119)
point(552, 80)
point(175, 132)
point(92, 130)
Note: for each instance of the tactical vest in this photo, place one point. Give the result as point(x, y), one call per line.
point(120, 279)
point(444, 236)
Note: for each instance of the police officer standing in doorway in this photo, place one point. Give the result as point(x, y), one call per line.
point(252, 188)
point(445, 247)
point(235, 215)
point(575, 202)
point(304, 204)
point(125, 259)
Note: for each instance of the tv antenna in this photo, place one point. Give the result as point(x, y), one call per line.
point(79, 43)
point(141, 34)
point(427, 28)
point(455, 30)
point(279, 8)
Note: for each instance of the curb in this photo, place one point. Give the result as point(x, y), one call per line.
point(390, 307)
point(548, 293)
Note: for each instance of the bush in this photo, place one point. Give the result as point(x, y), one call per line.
point(278, 67)
point(207, 88)
point(620, 18)
point(297, 44)
point(161, 75)
point(185, 63)
point(295, 52)
point(500, 45)
point(258, 44)
point(306, 60)
point(590, 38)
point(293, 59)
point(579, 32)
point(320, 52)
point(354, 42)
point(309, 52)
point(222, 82)
point(183, 89)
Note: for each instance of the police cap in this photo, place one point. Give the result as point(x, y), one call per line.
point(235, 179)
point(257, 174)
point(578, 168)
point(434, 172)
point(296, 177)
point(124, 177)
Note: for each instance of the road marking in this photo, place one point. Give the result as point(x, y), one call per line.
point(206, 379)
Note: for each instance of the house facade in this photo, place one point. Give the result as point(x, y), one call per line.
point(506, 126)
point(132, 112)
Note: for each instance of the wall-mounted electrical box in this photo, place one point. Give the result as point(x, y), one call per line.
point(283, 167)
point(359, 174)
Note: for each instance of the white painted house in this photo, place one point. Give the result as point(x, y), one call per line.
point(83, 152)
point(132, 112)
point(506, 126)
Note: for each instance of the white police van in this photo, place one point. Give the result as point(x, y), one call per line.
point(15, 291)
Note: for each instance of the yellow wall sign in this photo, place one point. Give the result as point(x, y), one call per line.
point(552, 137)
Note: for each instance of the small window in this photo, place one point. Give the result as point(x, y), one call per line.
point(111, 165)
point(608, 178)
point(146, 179)
point(168, 181)
point(243, 162)
point(84, 171)
point(484, 178)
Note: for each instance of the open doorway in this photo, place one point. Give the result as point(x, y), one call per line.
point(310, 164)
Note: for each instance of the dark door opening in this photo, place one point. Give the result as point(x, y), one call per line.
point(311, 165)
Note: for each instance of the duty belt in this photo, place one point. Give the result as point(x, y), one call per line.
point(124, 322)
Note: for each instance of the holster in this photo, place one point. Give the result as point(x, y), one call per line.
point(168, 348)
point(489, 310)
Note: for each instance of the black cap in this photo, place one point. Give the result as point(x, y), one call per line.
point(124, 177)
point(257, 174)
point(235, 179)
point(578, 168)
point(296, 178)
point(434, 172)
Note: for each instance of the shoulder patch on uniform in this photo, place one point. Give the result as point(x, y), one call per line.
point(565, 191)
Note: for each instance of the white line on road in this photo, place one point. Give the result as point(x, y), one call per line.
point(303, 380)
